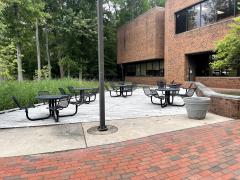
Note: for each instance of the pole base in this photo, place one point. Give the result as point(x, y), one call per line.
point(96, 130)
point(102, 128)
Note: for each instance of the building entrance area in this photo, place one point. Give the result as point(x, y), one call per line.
point(199, 65)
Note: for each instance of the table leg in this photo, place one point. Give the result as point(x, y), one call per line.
point(81, 97)
point(50, 107)
point(167, 96)
point(121, 91)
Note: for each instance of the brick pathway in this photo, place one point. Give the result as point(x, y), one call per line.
point(207, 152)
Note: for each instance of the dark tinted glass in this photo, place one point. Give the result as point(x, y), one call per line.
point(131, 70)
point(238, 6)
point(151, 68)
point(193, 17)
point(204, 13)
point(181, 22)
point(208, 14)
point(225, 8)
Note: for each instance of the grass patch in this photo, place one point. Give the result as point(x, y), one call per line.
point(27, 90)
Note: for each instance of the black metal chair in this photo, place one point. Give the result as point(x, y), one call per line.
point(15, 100)
point(91, 95)
point(189, 93)
point(128, 90)
point(114, 87)
point(42, 93)
point(62, 91)
point(111, 91)
point(153, 93)
point(62, 104)
point(161, 84)
point(191, 86)
point(71, 90)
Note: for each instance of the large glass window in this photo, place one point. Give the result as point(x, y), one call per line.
point(138, 69)
point(131, 70)
point(150, 68)
point(208, 12)
point(204, 13)
point(238, 6)
point(225, 9)
point(181, 22)
point(193, 17)
point(143, 69)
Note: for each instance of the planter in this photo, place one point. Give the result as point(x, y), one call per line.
point(197, 107)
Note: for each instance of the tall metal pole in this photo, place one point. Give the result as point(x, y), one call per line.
point(102, 126)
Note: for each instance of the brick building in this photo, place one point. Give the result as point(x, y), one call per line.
point(177, 42)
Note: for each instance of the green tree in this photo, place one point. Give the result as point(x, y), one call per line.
point(8, 61)
point(40, 16)
point(69, 64)
point(19, 17)
point(228, 49)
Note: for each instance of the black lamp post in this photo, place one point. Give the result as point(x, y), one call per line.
point(102, 126)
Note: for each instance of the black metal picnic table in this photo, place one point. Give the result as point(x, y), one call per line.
point(121, 88)
point(82, 93)
point(168, 92)
point(52, 101)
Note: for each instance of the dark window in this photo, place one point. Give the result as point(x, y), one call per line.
point(204, 13)
point(208, 12)
point(193, 17)
point(238, 6)
point(151, 68)
point(143, 69)
point(131, 70)
point(138, 69)
point(181, 22)
point(225, 8)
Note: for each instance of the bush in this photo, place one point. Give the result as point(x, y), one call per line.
point(27, 90)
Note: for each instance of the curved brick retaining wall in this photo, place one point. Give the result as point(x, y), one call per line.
point(220, 82)
point(221, 104)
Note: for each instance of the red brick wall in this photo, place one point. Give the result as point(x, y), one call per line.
point(178, 45)
point(222, 105)
point(225, 107)
point(220, 82)
point(142, 38)
point(143, 80)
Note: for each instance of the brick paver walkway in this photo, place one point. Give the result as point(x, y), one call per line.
point(207, 152)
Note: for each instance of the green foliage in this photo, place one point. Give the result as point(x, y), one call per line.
point(27, 90)
point(20, 16)
point(228, 49)
point(130, 9)
point(8, 61)
point(72, 32)
point(44, 73)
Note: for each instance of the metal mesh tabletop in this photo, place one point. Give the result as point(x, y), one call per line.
point(51, 97)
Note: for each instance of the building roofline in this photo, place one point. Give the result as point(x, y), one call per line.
point(141, 15)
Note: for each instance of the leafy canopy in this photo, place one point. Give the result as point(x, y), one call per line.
point(228, 49)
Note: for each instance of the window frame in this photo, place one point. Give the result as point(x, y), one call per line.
point(141, 65)
point(235, 13)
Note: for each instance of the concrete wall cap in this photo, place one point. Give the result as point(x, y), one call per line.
point(210, 93)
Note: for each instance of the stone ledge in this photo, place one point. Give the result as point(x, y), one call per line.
point(224, 105)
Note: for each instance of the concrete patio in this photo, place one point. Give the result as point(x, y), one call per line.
point(135, 117)
point(134, 106)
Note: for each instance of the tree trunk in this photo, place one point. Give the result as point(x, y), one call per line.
point(48, 56)
point(80, 75)
point(19, 63)
point(38, 52)
point(1, 78)
point(68, 72)
point(62, 74)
